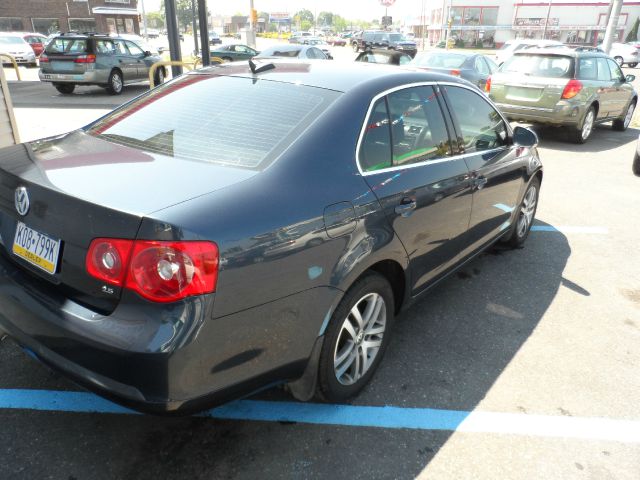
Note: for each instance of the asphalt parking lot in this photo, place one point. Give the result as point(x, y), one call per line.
point(523, 365)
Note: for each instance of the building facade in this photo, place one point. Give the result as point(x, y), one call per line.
point(488, 22)
point(50, 16)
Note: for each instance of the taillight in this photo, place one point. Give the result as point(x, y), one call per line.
point(158, 271)
point(572, 88)
point(85, 59)
point(487, 86)
point(455, 72)
point(44, 58)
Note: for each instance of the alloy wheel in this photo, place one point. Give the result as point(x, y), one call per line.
point(360, 339)
point(527, 210)
point(116, 82)
point(587, 125)
point(629, 115)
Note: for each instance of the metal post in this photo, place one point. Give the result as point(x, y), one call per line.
point(546, 22)
point(612, 25)
point(203, 15)
point(174, 35)
point(449, 22)
point(193, 26)
point(144, 20)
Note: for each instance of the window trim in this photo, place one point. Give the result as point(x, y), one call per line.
point(445, 114)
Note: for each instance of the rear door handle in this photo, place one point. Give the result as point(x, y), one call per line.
point(406, 207)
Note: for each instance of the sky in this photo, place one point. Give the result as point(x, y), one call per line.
point(350, 9)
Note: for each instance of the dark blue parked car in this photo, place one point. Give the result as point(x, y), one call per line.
point(252, 224)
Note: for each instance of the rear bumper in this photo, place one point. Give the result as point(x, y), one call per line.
point(163, 359)
point(564, 113)
point(94, 77)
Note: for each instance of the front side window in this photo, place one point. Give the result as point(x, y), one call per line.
point(604, 74)
point(239, 132)
point(616, 73)
point(481, 126)
point(418, 129)
point(134, 49)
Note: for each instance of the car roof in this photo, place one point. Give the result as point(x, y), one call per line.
point(566, 52)
point(329, 75)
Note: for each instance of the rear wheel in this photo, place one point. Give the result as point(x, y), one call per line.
point(526, 214)
point(621, 124)
point(619, 60)
point(356, 338)
point(636, 165)
point(582, 134)
point(355, 47)
point(158, 76)
point(65, 88)
point(114, 87)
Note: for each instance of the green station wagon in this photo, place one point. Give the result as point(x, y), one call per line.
point(572, 88)
point(93, 59)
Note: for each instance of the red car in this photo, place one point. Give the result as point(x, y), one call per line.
point(337, 41)
point(36, 41)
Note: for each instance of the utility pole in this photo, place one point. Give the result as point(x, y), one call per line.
point(173, 34)
point(203, 15)
point(144, 20)
point(194, 26)
point(251, 36)
point(546, 22)
point(612, 25)
point(449, 22)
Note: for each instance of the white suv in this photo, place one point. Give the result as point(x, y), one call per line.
point(512, 46)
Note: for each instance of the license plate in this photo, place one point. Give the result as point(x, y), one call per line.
point(524, 93)
point(36, 248)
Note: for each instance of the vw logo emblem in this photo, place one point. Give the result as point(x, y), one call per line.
point(21, 200)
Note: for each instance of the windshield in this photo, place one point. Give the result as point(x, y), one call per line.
point(11, 41)
point(396, 37)
point(187, 120)
point(439, 60)
point(552, 66)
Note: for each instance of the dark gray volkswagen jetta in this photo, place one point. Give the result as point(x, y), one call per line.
point(243, 226)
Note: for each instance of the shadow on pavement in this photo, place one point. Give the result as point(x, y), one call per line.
point(447, 352)
point(603, 138)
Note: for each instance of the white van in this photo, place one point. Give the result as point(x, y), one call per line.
point(511, 46)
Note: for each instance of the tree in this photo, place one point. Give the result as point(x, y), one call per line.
point(325, 18)
point(305, 15)
point(155, 19)
point(183, 12)
point(305, 25)
point(339, 23)
point(633, 34)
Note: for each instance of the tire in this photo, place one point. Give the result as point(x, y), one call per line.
point(158, 77)
point(622, 123)
point(526, 215)
point(115, 85)
point(636, 165)
point(582, 134)
point(619, 60)
point(352, 374)
point(227, 59)
point(355, 47)
point(632, 65)
point(65, 88)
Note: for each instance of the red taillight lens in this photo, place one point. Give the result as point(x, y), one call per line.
point(158, 271)
point(107, 259)
point(487, 86)
point(455, 72)
point(85, 59)
point(43, 58)
point(572, 89)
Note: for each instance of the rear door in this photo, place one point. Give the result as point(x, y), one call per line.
point(594, 74)
point(125, 61)
point(406, 158)
point(496, 174)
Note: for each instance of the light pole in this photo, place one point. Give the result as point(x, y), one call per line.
point(144, 20)
point(546, 22)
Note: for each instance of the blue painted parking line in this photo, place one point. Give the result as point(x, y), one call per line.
point(390, 417)
point(570, 229)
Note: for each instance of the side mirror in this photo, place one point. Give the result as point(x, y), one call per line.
point(523, 137)
point(630, 78)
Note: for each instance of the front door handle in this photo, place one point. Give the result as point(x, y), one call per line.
point(406, 207)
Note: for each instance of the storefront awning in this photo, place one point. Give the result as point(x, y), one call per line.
point(114, 11)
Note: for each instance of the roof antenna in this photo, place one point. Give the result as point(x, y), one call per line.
point(262, 68)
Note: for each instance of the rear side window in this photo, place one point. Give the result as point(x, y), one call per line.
point(186, 119)
point(587, 69)
point(481, 125)
point(67, 45)
point(418, 130)
point(552, 66)
point(375, 150)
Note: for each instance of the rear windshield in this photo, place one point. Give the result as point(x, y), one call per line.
point(440, 60)
point(537, 65)
point(222, 120)
point(67, 45)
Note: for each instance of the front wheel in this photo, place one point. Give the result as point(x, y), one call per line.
point(582, 134)
point(158, 77)
point(114, 87)
point(355, 47)
point(636, 165)
point(356, 338)
point(632, 65)
point(65, 88)
point(526, 214)
point(621, 124)
point(619, 60)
